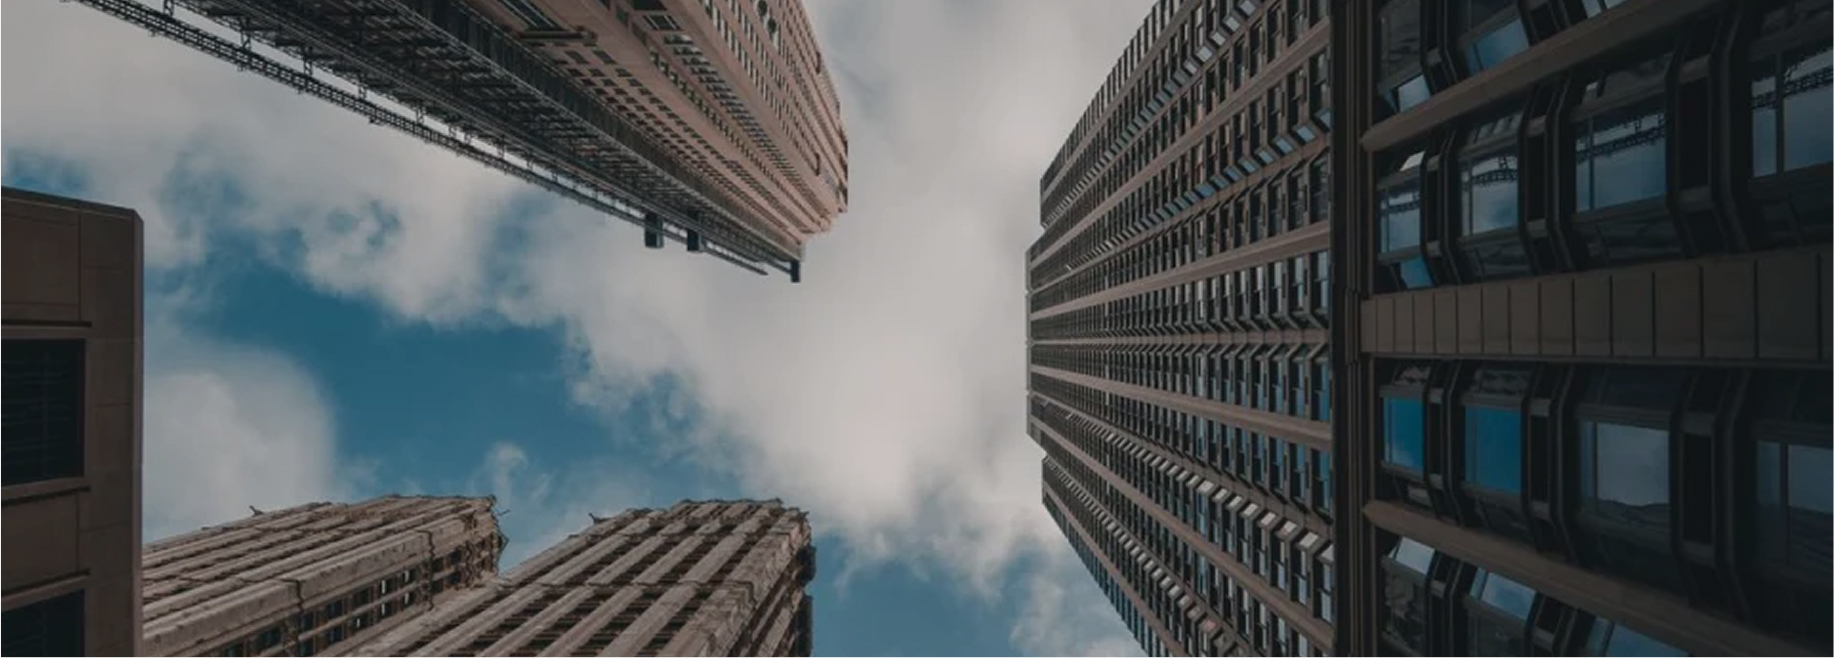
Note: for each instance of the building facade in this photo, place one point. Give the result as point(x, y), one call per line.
point(1583, 331)
point(314, 579)
point(1178, 358)
point(71, 442)
point(713, 123)
point(735, 89)
point(698, 578)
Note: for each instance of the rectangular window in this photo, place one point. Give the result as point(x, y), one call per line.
point(1404, 432)
point(1493, 449)
point(42, 381)
point(52, 627)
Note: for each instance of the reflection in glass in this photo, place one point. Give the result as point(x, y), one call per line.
point(1399, 210)
point(1505, 595)
point(1415, 275)
point(1489, 185)
point(1404, 432)
point(1408, 94)
point(1500, 44)
point(1493, 449)
point(1808, 109)
point(1630, 239)
point(1412, 554)
point(1612, 639)
point(1764, 119)
point(1621, 156)
point(1629, 479)
point(1405, 595)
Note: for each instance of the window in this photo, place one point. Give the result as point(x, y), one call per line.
point(1398, 208)
point(1488, 177)
point(1620, 156)
point(1623, 476)
point(42, 381)
point(1790, 129)
point(1404, 432)
point(1407, 565)
point(1493, 449)
point(1794, 458)
point(1497, 610)
point(52, 627)
point(1610, 638)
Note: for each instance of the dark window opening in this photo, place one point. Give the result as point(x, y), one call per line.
point(52, 627)
point(42, 437)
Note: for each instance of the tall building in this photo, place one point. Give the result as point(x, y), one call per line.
point(1583, 335)
point(1179, 367)
point(711, 123)
point(698, 578)
point(71, 436)
point(316, 578)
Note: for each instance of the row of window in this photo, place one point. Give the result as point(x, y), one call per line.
point(1251, 145)
point(1204, 36)
point(1289, 379)
point(1274, 547)
point(1136, 623)
point(1625, 179)
point(1290, 112)
point(320, 628)
point(1294, 474)
point(1484, 613)
point(1606, 466)
point(1285, 202)
point(1142, 568)
point(1288, 293)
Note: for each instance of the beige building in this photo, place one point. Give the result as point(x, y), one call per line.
point(696, 579)
point(736, 90)
point(71, 437)
point(315, 578)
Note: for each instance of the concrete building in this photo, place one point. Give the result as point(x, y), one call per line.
point(1583, 329)
point(71, 441)
point(1179, 373)
point(315, 578)
point(713, 123)
point(698, 578)
point(735, 89)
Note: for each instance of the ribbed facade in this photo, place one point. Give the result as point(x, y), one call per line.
point(735, 90)
point(1584, 338)
point(698, 578)
point(1179, 372)
point(313, 579)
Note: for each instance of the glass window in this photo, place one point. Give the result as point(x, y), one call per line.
point(1620, 156)
point(1488, 184)
point(1496, 45)
point(1609, 638)
point(1414, 274)
point(1412, 554)
point(1803, 136)
point(1795, 503)
point(1593, 7)
point(52, 627)
point(1399, 209)
point(1404, 432)
point(1504, 595)
point(44, 410)
point(1406, 95)
point(1624, 472)
point(1400, 36)
point(1499, 616)
point(1493, 449)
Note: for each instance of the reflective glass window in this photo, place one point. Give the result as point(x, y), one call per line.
point(1609, 638)
point(1399, 212)
point(1495, 46)
point(1488, 184)
point(1493, 449)
point(1620, 156)
point(1404, 432)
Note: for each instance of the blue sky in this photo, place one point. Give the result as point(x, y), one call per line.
point(335, 311)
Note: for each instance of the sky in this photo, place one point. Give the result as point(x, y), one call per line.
point(335, 311)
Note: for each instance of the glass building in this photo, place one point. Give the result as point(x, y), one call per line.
point(1179, 370)
point(1583, 331)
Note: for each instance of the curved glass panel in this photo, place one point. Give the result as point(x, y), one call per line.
point(1489, 188)
point(1499, 44)
point(1620, 156)
point(1399, 213)
point(1404, 432)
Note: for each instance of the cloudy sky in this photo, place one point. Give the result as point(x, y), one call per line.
point(335, 310)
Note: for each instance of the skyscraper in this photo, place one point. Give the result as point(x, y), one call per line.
point(1179, 372)
point(698, 578)
point(71, 439)
point(1583, 337)
point(316, 578)
point(711, 123)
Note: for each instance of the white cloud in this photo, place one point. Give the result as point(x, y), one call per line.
point(885, 393)
point(227, 427)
